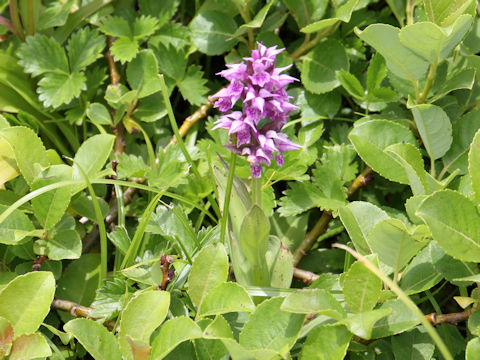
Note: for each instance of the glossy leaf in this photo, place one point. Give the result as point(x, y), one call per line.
point(413, 344)
point(333, 341)
point(213, 32)
point(15, 228)
point(342, 14)
point(313, 301)
point(31, 346)
point(474, 164)
point(225, 298)
point(400, 319)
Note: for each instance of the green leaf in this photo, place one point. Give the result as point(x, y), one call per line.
point(370, 138)
point(142, 73)
point(124, 49)
point(361, 287)
point(84, 47)
point(50, 206)
point(31, 346)
point(170, 171)
point(377, 71)
point(399, 320)
point(393, 243)
point(212, 32)
point(144, 26)
point(343, 13)
point(15, 227)
point(172, 60)
point(464, 130)
point(225, 298)
point(445, 12)
point(454, 222)
point(313, 301)
point(110, 298)
point(54, 15)
point(362, 324)
point(280, 263)
point(163, 10)
point(142, 315)
point(172, 333)
point(270, 328)
point(95, 338)
point(64, 245)
point(6, 336)
point(91, 156)
point(333, 341)
point(219, 328)
point(351, 84)
point(99, 114)
point(359, 218)
point(420, 274)
point(209, 269)
point(56, 89)
point(192, 86)
point(473, 349)
point(413, 344)
point(29, 151)
point(400, 60)
point(474, 164)
point(116, 26)
point(435, 129)
point(40, 54)
point(26, 300)
point(431, 42)
point(306, 11)
point(321, 64)
point(256, 22)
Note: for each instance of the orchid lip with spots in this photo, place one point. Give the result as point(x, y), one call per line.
point(265, 108)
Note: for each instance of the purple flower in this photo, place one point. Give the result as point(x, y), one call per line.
point(255, 131)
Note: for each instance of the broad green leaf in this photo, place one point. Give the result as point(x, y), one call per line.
point(393, 243)
point(193, 87)
point(377, 71)
point(431, 42)
point(473, 349)
point(144, 26)
point(370, 139)
point(435, 129)
point(343, 13)
point(415, 344)
point(172, 333)
point(26, 300)
point(219, 328)
point(253, 237)
point(290, 230)
point(50, 206)
point(225, 298)
point(361, 287)
point(399, 320)
point(420, 274)
point(15, 227)
point(124, 49)
point(306, 11)
point(8, 166)
point(99, 114)
point(270, 328)
point(95, 338)
point(445, 12)
point(209, 269)
point(83, 205)
point(40, 54)
point(280, 263)
point(463, 132)
point(474, 164)
point(91, 156)
point(31, 346)
point(400, 60)
point(212, 32)
point(362, 324)
point(56, 89)
point(65, 244)
point(142, 73)
point(141, 316)
point(351, 84)
point(55, 14)
point(462, 79)
point(64, 337)
point(170, 171)
point(163, 10)
point(474, 323)
point(411, 159)
point(326, 342)
point(313, 301)
point(6, 336)
point(454, 222)
point(29, 151)
point(239, 352)
point(321, 65)
point(172, 61)
point(116, 26)
point(256, 22)
point(359, 218)
point(84, 47)
point(110, 298)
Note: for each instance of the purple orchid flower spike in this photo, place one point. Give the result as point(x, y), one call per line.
point(261, 88)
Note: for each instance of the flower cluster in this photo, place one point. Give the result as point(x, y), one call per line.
point(265, 108)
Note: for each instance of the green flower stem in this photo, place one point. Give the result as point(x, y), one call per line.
point(428, 84)
point(409, 11)
point(404, 298)
point(181, 144)
point(226, 201)
point(15, 18)
point(31, 18)
point(256, 189)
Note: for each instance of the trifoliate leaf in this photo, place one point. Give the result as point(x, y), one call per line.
point(130, 166)
point(171, 60)
point(124, 49)
point(172, 34)
point(162, 10)
point(56, 89)
point(40, 54)
point(84, 47)
point(110, 297)
point(193, 86)
point(116, 26)
point(144, 26)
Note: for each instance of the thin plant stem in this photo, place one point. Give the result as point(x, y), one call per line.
point(226, 201)
point(15, 18)
point(404, 298)
point(256, 188)
point(432, 167)
point(409, 11)
point(31, 18)
point(428, 84)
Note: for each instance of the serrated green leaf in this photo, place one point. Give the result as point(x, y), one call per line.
point(144, 26)
point(256, 22)
point(351, 84)
point(84, 47)
point(110, 298)
point(212, 32)
point(54, 15)
point(56, 89)
point(124, 49)
point(332, 339)
point(321, 64)
point(31, 346)
point(116, 26)
point(142, 74)
point(40, 54)
point(454, 222)
point(95, 338)
point(192, 86)
point(225, 298)
point(162, 10)
point(445, 12)
point(306, 11)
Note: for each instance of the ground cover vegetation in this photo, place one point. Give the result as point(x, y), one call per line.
point(244, 179)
